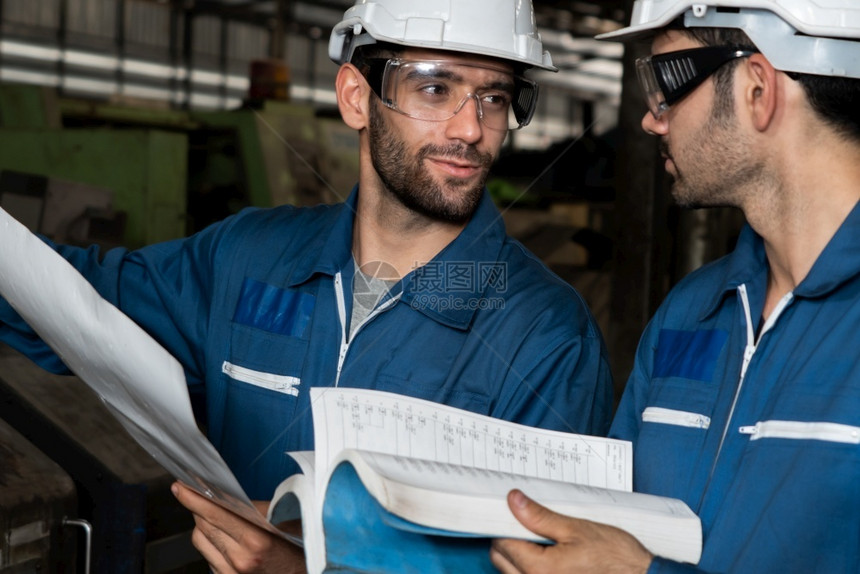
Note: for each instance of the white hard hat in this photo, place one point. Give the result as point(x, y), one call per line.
point(499, 28)
point(805, 36)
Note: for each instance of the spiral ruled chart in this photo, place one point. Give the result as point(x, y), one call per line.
point(392, 424)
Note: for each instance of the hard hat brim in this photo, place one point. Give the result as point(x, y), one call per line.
point(640, 32)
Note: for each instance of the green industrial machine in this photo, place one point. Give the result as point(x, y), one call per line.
point(144, 169)
point(282, 154)
point(172, 172)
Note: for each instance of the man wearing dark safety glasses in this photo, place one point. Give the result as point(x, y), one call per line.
point(666, 78)
point(743, 401)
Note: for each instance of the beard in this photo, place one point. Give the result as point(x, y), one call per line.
point(714, 168)
point(405, 177)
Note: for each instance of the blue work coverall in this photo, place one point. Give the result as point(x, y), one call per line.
point(256, 308)
point(756, 424)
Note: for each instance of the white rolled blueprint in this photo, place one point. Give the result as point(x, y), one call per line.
point(141, 384)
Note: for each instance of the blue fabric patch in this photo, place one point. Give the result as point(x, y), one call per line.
point(273, 309)
point(688, 354)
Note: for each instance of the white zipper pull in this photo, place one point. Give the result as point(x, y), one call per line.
point(749, 351)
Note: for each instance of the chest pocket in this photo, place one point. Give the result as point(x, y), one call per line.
point(680, 401)
point(683, 377)
point(269, 338)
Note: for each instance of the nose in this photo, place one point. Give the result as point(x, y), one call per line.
point(655, 126)
point(466, 124)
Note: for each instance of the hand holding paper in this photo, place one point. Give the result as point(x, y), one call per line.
point(231, 544)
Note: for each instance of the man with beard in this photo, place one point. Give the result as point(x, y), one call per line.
point(744, 400)
point(411, 285)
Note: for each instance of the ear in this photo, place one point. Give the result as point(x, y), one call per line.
point(761, 93)
point(352, 96)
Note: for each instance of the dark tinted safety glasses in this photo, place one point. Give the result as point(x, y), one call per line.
point(666, 78)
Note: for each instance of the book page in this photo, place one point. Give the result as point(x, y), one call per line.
point(295, 499)
point(378, 421)
point(300, 485)
point(437, 498)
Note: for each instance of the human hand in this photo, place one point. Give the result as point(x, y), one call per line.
point(580, 545)
point(232, 545)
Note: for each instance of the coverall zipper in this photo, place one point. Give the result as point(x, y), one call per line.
point(341, 312)
point(749, 351)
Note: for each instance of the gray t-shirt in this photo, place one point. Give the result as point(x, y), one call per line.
point(367, 292)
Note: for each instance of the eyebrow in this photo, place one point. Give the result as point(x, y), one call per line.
point(443, 73)
point(448, 74)
point(500, 85)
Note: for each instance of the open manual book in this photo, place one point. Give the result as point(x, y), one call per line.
point(398, 484)
point(420, 484)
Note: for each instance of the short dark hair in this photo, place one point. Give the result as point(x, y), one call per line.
point(372, 52)
point(834, 99)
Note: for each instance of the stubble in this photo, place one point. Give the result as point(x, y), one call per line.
point(405, 177)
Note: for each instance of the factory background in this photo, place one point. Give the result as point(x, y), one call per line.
point(127, 122)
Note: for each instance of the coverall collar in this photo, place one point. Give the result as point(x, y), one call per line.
point(453, 293)
point(837, 263)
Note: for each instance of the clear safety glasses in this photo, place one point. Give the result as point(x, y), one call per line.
point(435, 91)
point(666, 78)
